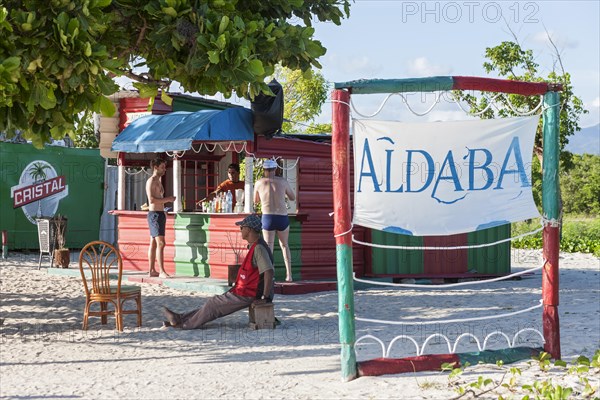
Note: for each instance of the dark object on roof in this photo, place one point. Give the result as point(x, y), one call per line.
point(267, 111)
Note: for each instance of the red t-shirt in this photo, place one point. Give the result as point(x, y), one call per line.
point(230, 185)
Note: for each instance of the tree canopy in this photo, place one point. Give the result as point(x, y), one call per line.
point(58, 58)
point(511, 61)
point(304, 94)
point(580, 186)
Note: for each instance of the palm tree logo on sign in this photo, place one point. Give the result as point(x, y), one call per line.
point(39, 190)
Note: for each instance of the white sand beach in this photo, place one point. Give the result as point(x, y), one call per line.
point(44, 353)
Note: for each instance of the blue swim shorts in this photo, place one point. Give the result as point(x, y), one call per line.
point(272, 222)
point(157, 221)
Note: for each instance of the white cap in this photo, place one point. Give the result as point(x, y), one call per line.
point(269, 164)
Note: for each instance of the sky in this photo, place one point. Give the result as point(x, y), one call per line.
point(393, 39)
point(409, 39)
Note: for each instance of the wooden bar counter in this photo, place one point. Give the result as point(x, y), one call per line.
point(197, 244)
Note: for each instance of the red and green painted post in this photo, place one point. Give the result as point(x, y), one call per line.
point(342, 229)
point(341, 197)
point(551, 214)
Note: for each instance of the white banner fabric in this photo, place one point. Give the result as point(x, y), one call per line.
point(443, 178)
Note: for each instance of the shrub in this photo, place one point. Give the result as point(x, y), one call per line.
point(577, 235)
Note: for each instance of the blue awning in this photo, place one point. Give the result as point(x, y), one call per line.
point(177, 130)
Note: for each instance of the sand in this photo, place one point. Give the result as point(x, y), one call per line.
point(44, 353)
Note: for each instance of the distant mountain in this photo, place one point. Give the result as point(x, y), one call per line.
point(586, 141)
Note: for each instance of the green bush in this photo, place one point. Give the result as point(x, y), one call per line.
point(577, 235)
point(580, 186)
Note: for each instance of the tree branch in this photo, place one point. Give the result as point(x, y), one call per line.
point(513, 34)
point(516, 40)
point(565, 96)
point(140, 37)
point(556, 51)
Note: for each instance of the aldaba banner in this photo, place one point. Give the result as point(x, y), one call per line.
point(442, 178)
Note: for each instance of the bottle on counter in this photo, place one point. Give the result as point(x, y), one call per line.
point(229, 202)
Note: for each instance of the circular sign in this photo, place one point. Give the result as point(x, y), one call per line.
point(36, 172)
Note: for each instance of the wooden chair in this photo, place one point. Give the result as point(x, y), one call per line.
point(99, 259)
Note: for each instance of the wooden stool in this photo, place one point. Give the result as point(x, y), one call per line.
point(262, 316)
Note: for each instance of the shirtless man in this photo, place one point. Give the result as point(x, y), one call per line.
point(271, 192)
point(157, 218)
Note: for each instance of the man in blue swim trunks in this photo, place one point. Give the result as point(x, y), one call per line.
point(271, 192)
point(157, 218)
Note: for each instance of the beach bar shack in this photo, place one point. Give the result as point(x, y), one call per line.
point(198, 147)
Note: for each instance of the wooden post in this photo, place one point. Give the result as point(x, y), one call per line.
point(121, 182)
point(178, 205)
point(342, 225)
point(249, 185)
point(551, 214)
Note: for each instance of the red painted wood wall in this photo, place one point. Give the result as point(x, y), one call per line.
point(134, 239)
point(315, 198)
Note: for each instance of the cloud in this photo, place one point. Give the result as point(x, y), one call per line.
point(447, 115)
point(592, 118)
point(350, 67)
point(561, 42)
point(421, 66)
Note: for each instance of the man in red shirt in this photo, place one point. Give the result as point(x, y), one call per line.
point(254, 283)
point(233, 183)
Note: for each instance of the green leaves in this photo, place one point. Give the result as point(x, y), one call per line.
point(529, 385)
point(105, 106)
point(255, 67)
point(9, 69)
point(101, 3)
point(55, 70)
point(170, 11)
point(41, 95)
point(146, 90)
point(58, 57)
point(305, 92)
point(578, 234)
point(221, 42)
point(223, 24)
point(213, 56)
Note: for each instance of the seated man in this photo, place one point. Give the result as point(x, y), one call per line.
point(254, 283)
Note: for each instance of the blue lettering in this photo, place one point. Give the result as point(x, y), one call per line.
point(514, 147)
point(388, 174)
point(367, 154)
point(472, 167)
point(430, 170)
point(449, 160)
